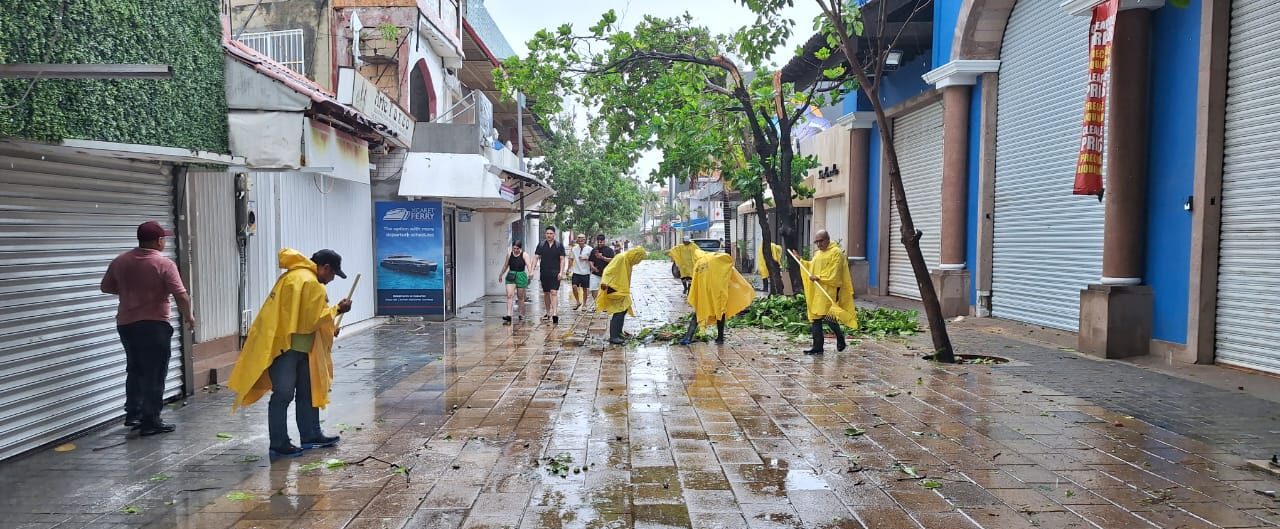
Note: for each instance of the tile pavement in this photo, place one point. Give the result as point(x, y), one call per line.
point(474, 425)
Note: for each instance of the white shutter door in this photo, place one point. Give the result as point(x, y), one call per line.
point(918, 137)
point(62, 221)
point(215, 274)
point(1248, 317)
point(1048, 242)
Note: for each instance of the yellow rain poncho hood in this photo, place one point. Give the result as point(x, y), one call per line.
point(298, 304)
point(761, 268)
point(832, 269)
point(718, 290)
point(685, 255)
point(617, 276)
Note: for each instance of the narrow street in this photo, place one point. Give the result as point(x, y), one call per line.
point(477, 425)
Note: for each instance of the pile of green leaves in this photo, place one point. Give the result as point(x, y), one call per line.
point(671, 333)
point(789, 315)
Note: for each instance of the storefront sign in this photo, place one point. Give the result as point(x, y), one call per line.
point(410, 253)
point(355, 90)
point(1089, 164)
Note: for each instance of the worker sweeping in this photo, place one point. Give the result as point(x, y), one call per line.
point(288, 349)
point(828, 292)
point(685, 255)
point(615, 291)
point(718, 292)
point(762, 268)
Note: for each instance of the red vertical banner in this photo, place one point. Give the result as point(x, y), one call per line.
point(1089, 163)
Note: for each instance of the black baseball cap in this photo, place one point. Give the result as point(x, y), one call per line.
point(331, 258)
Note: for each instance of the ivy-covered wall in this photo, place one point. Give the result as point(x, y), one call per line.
point(187, 111)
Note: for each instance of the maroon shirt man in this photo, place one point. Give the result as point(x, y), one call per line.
point(144, 279)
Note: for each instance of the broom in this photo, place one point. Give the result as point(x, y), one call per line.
point(837, 312)
point(337, 323)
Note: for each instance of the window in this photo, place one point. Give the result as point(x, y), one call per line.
point(284, 47)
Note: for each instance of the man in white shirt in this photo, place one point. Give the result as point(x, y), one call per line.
point(581, 255)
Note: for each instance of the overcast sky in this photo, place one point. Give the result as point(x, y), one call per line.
point(520, 19)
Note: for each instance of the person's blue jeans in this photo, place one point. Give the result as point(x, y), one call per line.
point(291, 378)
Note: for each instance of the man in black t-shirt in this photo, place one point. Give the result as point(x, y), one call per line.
point(552, 252)
point(600, 258)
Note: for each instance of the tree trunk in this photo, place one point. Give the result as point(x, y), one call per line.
point(766, 246)
point(943, 351)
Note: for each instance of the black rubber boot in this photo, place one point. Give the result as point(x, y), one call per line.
point(815, 330)
point(720, 330)
point(615, 328)
point(693, 328)
point(836, 328)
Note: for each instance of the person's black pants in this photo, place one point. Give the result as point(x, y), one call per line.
point(815, 329)
point(615, 327)
point(146, 352)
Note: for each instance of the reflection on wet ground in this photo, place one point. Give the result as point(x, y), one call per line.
point(473, 424)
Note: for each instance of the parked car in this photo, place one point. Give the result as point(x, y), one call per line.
point(707, 245)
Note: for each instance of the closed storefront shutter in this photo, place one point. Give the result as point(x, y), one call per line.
point(62, 221)
point(918, 138)
point(1048, 243)
point(1248, 312)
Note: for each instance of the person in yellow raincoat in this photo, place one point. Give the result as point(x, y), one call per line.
point(718, 292)
point(829, 270)
point(288, 347)
point(684, 255)
point(615, 291)
point(761, 268)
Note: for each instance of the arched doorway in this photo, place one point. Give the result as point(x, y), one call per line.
point(422, 92)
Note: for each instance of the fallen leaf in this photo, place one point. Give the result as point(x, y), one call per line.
point(335, 463)
point(854, 431)
point(158, 478)
point(239, 495)
point(250, 458)
point(930, 484)
point(893, 393)
point(65, 447)
point(130, 509)
point(225, 435)
point(311, 466)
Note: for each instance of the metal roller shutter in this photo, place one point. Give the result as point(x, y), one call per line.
point(62, 221)
point(918, 137)
point(1048, 243)
point(1248, 316)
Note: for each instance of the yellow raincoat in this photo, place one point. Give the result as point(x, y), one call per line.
point(617, 277)
point(761, 268)
point(718, 290)
point(298, 304)
point(685, 254)
point(832, 269)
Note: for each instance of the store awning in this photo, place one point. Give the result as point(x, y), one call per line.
point(701, 224)
point(469, 180)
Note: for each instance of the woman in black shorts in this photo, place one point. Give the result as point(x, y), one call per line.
point(516, 276)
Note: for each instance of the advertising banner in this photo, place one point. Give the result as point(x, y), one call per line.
point(410, 249)
point(1089, 164)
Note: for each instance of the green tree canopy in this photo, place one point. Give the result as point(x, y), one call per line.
point(594, 193)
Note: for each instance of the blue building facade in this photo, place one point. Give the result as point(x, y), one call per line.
point(1162, 264)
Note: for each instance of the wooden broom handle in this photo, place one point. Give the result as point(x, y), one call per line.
point(350, 293)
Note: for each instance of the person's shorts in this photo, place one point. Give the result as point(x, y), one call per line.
point(550, 283)
point(519, 279)
point(582, 280)
point(595, 282)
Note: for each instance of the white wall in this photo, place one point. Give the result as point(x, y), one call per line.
point(308, 212)
point(497, 243)
point(470, 244)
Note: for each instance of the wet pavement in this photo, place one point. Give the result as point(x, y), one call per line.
point(477, 425)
